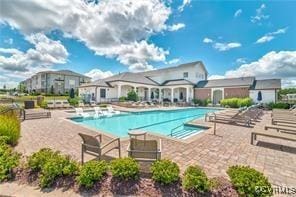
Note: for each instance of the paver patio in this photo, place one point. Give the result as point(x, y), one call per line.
point(215, 153)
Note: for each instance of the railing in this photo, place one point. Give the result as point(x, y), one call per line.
point(175, 129)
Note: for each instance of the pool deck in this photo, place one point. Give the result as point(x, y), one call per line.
point(215, 153)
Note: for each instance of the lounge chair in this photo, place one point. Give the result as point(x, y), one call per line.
point(92, 103)
point(235, 118)
point(58, 104)
point(272, 134)
point(79, 112)
point(92, 145)
point(112, 111)
point(278, 128)
point(144, 150)
point(66, 104)
point(101, 112)
point(81, 104)
point(50, 104)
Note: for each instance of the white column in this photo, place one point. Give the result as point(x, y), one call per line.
point(118, 90)
point(149, 94)
point(187, 94)
point(172, 95)
point(159, 95)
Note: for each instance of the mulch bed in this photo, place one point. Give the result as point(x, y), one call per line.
point(109, 186)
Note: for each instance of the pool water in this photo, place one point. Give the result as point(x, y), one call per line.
point(160, 121)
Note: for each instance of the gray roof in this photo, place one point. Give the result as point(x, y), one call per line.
point(99, 82)
point(242, 81)
point(177, 82)
point(267, 84)
point(131, 77)
point(65, 72)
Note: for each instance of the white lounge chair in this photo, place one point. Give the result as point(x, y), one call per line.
point(79, 112)
point(99, 111)
point(58, 104)
point(66, 104)
point(81, 104)
point(112, 111)
point(92, 103)
point(50, 104)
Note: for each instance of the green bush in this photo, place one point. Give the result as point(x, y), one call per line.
point(165, 171)
point(125, 168)
point(73, 101)
point(8, 161)
point(236, 102)
point(122, 99)
point(51, 165)
point(43, 104)
point(278, 105)
point(195, 179)
point(247, 181)
point(91, 172)
point(132, 96)
point(103, 105)
point(10, 127)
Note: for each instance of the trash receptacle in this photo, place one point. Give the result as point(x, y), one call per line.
point(29, 104)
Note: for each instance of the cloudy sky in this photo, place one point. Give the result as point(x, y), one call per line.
point(100, 38)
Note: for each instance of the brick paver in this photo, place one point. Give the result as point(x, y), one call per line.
point(215, 153)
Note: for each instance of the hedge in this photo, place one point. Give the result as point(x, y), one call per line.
point(236, 102)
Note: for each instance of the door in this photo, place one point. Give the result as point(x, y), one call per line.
point(217, 96)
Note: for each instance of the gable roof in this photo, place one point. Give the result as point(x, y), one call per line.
point(242, 81)
point(267, 84)
point(177, 82)
point(65, 72)
point(131, 77)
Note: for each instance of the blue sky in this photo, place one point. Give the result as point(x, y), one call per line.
point(232, 38)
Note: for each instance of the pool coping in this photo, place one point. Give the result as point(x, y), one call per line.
point(206, 129)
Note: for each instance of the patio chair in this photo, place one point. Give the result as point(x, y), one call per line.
point(101, 112)
point(81, 104)
point(225, 118)
point(50, 104)
point(144, 150)
point(79, 112)
point(92, 145)
point(272, 134)
point(112, 111)
point(290, 129)
point(66, 104)
point(58, 104)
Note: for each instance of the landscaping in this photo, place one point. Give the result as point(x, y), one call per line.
point(236, 102)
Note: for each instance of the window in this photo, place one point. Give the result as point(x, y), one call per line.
point(185, 74)
point(103, 93)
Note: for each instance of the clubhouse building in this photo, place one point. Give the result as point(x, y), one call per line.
point(181, 83)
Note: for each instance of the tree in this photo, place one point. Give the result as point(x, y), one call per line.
point(22, 88)
point(52, 90)
point(132, 96)
point(72, 93)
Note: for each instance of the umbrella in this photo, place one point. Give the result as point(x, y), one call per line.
point(152, 95)
point(259, 97)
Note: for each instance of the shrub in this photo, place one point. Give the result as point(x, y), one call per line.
point(277, 105)
point(91, 172)
point(51, 164)
point(10, 127)
point(201, 102)
point(73, 101)
point(246, 180)
point(132, 96)
point(236, 102)
point(103, 105)
point(195, 179)
point(43, 104)
point(122, 99)
point(165, 171)
point(125, 168)
point(8, 161)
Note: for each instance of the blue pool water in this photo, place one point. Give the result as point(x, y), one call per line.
point(161, 122)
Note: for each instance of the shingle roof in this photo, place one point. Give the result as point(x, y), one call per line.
point(132, 77)
point(243, 81)
point(267, 84)
point(65, 72)
point(177, 82)
point(99, 82)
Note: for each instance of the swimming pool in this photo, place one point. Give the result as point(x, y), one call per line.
point(160, 121)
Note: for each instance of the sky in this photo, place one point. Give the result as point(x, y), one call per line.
point(100, 38)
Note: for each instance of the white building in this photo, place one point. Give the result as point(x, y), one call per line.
point(170, 84)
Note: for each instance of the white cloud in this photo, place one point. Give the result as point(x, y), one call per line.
point(207, 40)
point(9, 41)
point(173, 61)
point(176, 27)
point(46, 52)
point(280, 64)
point(216, 77)
point(259, 15)
point(270, 36)
point(222, 46)
point(241, 60)
point(96, 74)
point(184, 4)
point(109, 27)
point(238, 13)
point(226, 46)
